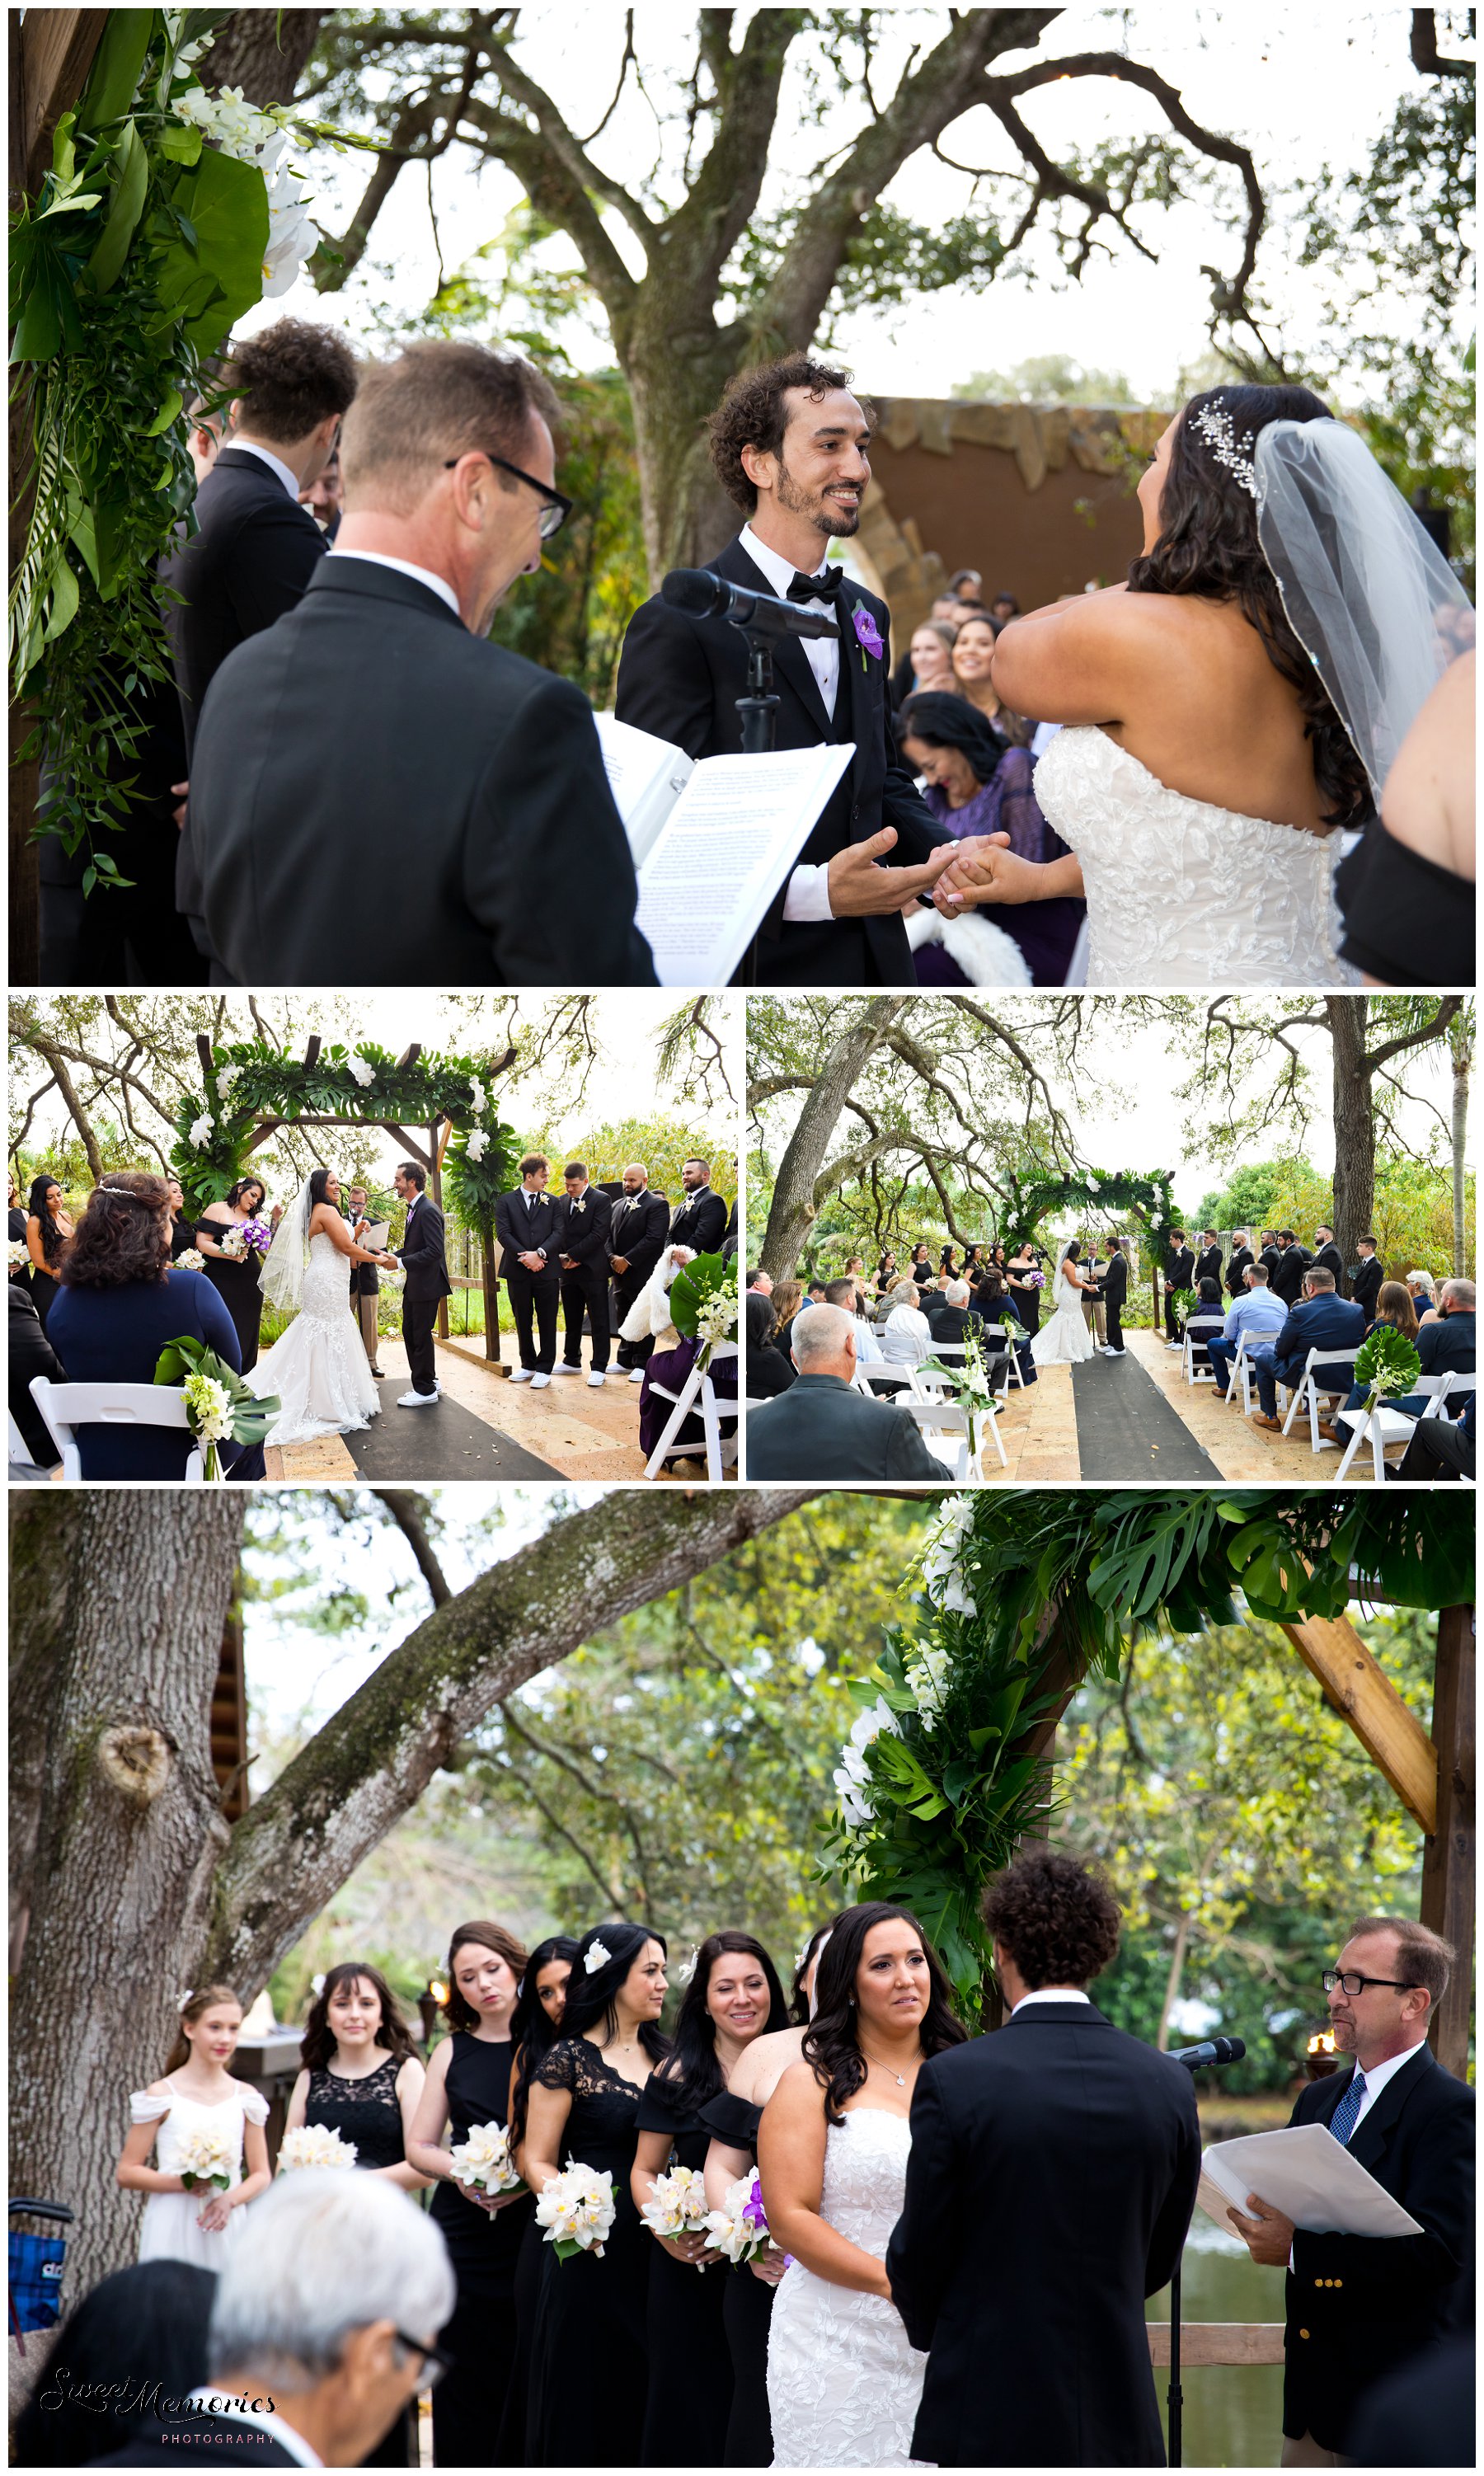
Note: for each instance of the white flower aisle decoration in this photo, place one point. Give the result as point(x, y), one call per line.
point(576, 2210)
point(314, 2145)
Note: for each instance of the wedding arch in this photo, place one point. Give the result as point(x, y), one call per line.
point(249, 1090)
point(1151, 1198)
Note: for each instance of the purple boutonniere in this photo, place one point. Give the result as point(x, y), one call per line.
point(867, 634)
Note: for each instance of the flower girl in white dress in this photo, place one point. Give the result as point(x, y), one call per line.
point(200, 2123)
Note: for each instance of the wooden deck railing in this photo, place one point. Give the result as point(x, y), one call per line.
point(1219, 2342)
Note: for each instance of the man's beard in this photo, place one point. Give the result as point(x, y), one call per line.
point(832, 522)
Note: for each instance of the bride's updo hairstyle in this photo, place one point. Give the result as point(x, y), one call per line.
point(694, 2068)
point(832, 2044)
point(1208, 545)
point(123, 1236)
point(798, 1994)
point(592, 1994)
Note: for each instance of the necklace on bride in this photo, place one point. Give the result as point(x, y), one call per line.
point(900, 2078)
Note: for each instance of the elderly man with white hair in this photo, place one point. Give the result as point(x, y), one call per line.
point(822, 1428)
point(323, 2326)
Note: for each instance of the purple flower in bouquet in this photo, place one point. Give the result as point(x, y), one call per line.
point(867, 634)
point(258, 1235)
point(1034, 1280)
point(753, 2212)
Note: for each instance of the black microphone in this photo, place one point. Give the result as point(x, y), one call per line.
point(1216, 2050)
point(696, 591)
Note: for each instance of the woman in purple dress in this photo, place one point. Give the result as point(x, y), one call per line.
point(976, 782)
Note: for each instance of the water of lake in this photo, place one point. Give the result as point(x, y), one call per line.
point(1233, 2412)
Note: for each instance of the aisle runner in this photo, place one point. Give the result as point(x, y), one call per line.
point(445, 1441)
point(1126, 1428)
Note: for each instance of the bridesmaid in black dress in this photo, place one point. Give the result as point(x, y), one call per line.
point(48, 1233)
point(587, 2370)
point(183, 1230)
point(536, 2026)
point(362, 2078)
point(469, 2083)
point(237, 1281)
point(733, 2000)
point(1027, 1299)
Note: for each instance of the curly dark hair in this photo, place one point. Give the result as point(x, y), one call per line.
point(123, 1236)
point(752, 414)
point(53, 1242)
point(694, 2066)
point(1208, 545)
point(1055, 1917)
point(831, 2045)
point(317, 2045)
point(293, 375)
point(459, 2014)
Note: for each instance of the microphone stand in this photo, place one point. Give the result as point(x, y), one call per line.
point(1175, 2397)
point(758, 710)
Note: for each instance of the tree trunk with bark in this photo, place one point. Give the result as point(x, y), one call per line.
point(1354, 1123)
point(795, 1199)
point(1172, 1980)
point(1461, 1049)
point(264, 51)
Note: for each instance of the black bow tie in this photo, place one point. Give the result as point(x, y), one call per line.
point(828, 587)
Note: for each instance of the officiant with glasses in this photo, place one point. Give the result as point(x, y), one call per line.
point(1360, 2306)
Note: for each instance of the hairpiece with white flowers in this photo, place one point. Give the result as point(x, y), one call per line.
point(597, 1956)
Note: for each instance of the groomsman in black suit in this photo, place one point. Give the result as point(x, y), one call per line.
point(1286, 1278)
point(1079, 2146)
point(1208, 1263)
point(1241, 1257)
point(1367, 1276)
point(584, 1221)
point(526, 1229)
point(1268, 1254)
point(1114, 1298)
point(427, 1282)
point(457, 828)
point(1328, 1253)
point(701, 1221)
point(1358, 2307)
point(789, 443)
point(1179, 1274)
point(636, 1234)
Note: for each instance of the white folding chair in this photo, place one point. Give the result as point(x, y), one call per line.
point(699, 1392)
point(17, 1451)
point(1007, 1340)
point(1386, 1425)
point(1199, 1329)
point(885, 1383)
point(1306, 1391)
point(66, 1407)
point(943, 1420)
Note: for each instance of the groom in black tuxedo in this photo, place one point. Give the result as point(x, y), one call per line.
point(789, 443)
point(1115, 1296)
point(427, 1282)
point(1050, 2182)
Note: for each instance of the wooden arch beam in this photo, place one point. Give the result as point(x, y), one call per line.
point(1358, 1688)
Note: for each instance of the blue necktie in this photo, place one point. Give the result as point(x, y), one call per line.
point(1342, 2123)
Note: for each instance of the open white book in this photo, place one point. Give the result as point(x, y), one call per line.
point(1304, 2171)
point(374, 1236)
point(713, 841)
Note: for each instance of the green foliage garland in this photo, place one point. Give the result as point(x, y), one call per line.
point(1033, 1199)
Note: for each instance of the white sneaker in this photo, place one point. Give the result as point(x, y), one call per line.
point(565, 1370)
point(636, 1376)
point(539, 1378)
point(597, 1376)
point(416, 1400)
point(521, 1374)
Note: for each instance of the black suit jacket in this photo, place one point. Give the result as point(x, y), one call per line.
point(699, 1221)
point(421, 1252)
point(523, 1231)
point(679, 678)
point(638, 1230)
point(1358, 2306)
point(1446, 1342)
point(584, 1234)
point(1208, 1266)
point(1049, 2190)
point(730, 1241)
point(1329, 1256)
point(952, 1323)
point(1180, 1269)
point(379, 798)
point(1365, 1284)
point(1241, 1257)
point(823, 1429)
point(1115, 1280)
point(249, 560)
point(1286, 1278)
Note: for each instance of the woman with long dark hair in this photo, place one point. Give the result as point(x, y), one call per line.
point(48, 1236)
point(236, 1275)
point(734, 1998)
point(1203, 751)
point(468, 2083)
point(536, 2025)
point(588, 2362)
point(843, 2384)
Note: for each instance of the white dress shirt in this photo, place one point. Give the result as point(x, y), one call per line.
point(437, 585)
point(275, 463)
point(808, 888)
point(1376, 2079)
point(1050, 1995)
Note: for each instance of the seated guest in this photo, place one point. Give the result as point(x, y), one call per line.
point(846, 1293)
point(973, 649)
point(976, 782)
point(1360, 2306)
point(768, 1371)
point(950, 1318)
point(1440, 1449)
point(1445, 1343)
point(1321, 1316)
point(120, 1304)
point(670, 1364)
point(906, 1337)
point(140, 2333)
point(759, 1280)
point(1204, 1325)
point(1420, 1287)
point(1256, 1312)
point(48, 1235)
point(1393, 1307)
point(1368, 1276)
point(785, 1299)
point(1003, 608)
point(822, 1428)
point(999, 1305)
point(816, 1292)
point(30, 1353)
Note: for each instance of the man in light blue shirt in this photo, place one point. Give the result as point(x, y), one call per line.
point(1257, 1313)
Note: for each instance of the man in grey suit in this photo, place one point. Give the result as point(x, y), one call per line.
point(822, 1428)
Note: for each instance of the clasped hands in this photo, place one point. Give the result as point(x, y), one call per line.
point(979, 869)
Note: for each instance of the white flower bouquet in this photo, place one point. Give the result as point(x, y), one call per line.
point(190, 1260)
point(314, 2145)
point(204, 2160)
point(20, 1253)
point(677, 2206)
point(218, 1401)
point(576, 2211)
point(483, 2161)
point(739, 2229)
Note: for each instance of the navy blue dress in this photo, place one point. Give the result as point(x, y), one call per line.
point(115, 1337)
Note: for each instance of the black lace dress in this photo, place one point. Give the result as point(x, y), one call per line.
point(688, 2355)
point(747, 2308)
point(469, 2401)
point(588, 2375)
point(367, 2112)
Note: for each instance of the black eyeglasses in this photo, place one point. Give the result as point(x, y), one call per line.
point(554, 508)
point(435, 2362)
point(1350, 1982)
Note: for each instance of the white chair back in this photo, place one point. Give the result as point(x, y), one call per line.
point(66, 1407)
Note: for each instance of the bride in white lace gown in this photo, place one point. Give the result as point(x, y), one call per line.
point(1203, 776)
point(317, 1367)
point(1064, 1340)
point(844, 2385)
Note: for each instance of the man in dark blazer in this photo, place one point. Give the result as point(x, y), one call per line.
point(526, 1230)
point(700, 1219)
point(1268, 1252)
point(1241, 1257)
point(1328, 1253)
point(1208, 1263)
point(584, 1221)
point(1444, 1344)
point(1367, 1276)
point(789, 445)
point(1321, 1316)
point(423, 808)
point(950, 1316)
point(1179, 1274)
point(365, 1283)
point(1360, 2306)
point(426, 1282)
point(1080, 2148)
point(822, 1428)
point(1285, 1278)
point(1114, 1298)
point(637, 1233)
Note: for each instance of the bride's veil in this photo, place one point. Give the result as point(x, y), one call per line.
point(288, 1259)
point(1368, 593)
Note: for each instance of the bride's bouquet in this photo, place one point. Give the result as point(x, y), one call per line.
point(677, 2206)
point(484, 2161)
point(576, 2210)
point(739, 2229)
point(204, 2160)
point(218, 1404)
point(314, 2145)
